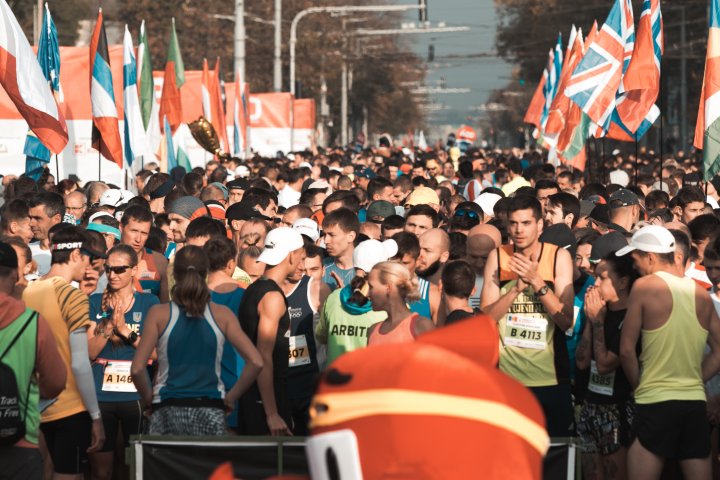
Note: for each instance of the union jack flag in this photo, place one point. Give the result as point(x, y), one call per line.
point(595, 82)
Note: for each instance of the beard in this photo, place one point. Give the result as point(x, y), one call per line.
point(430, 270)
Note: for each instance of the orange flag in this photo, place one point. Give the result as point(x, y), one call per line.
point(218, 109)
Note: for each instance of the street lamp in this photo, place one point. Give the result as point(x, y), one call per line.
point(346, 9)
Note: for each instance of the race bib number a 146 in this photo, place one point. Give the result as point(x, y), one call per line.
point(117, 378)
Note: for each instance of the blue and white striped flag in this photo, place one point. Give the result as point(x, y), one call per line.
point(553, 80)
point(135, 142)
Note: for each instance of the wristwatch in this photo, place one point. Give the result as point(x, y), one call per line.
point(130, 339)
point(543, 291)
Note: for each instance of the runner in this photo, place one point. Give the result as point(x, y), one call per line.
point(152, 266)
point(72, 425)
point(528, 291)
point(187, 396)
point(45, 210)
point(672, 317)
point(263, 314)
point(116, 324)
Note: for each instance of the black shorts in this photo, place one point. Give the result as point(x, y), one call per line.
point(676, 429)
point(67, 441)
point(556, 402)
point(114, 414)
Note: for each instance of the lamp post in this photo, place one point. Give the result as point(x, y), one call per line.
point(346, 9)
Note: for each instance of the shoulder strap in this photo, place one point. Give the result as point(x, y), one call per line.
point(27, 322)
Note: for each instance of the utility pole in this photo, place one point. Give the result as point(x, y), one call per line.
point(277, 73)
point(683, 81)
point(344, 94)
point(239, 64)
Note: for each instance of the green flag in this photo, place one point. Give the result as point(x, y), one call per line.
point(175, 56)
point(171, 102)
point(146, 85)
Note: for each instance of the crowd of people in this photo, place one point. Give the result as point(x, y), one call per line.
point(170, 309)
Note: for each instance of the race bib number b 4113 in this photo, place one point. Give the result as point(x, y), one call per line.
point(526, 332)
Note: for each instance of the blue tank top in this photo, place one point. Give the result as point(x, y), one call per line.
point(422, 306)
point(232, 362)
point(345, 275)
point(189, 354)
point(134, 319)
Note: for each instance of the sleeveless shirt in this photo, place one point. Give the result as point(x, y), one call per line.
point(672, 355)
point(302, 360)
point(532, 349)
point(402, 333)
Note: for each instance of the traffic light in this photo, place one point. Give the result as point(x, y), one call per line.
point(423, 11)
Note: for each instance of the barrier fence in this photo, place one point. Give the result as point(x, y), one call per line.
point(169, 457)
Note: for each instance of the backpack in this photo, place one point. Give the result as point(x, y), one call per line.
point(12, 424)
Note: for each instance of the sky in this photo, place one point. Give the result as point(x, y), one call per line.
point(481, 75)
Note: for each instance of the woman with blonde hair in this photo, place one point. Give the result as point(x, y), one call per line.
point(391, 289)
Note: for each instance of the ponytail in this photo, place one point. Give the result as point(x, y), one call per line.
point(190, 291)
point(360, 289)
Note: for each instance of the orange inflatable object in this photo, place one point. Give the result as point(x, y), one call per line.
point(434, 409)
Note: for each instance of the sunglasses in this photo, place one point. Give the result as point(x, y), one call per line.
point(466, 213)
point(117, 270)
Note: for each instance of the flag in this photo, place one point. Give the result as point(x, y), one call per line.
point(167, 148)
point(146, 84)
point(553, 79)
point(181, 157)
point(596, 79)
point(240, 115)
point(561, 103)
point(218, 108)
point(105, 132)
point(37, 154)
point(707, 130)
point(170, 102)
point(534, 111)
point(135, 144)
point(23, 80)
point(205, 92)
point(641, 82)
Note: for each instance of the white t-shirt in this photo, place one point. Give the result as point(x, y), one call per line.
point(42, 258)
point(288, 197)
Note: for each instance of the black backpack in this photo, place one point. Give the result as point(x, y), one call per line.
point(12, 424)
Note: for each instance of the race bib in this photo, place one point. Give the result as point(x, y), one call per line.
point(117, 378)
point(299, 354)
point(526, 332)
point(601, 384)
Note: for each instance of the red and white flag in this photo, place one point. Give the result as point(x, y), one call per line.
point(26, 85)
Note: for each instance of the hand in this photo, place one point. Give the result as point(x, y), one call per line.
point(521, 285)
point(337, 279)
point(97, 436)
point(277, 426)
point(89, 282)
point(595, 306)
point(526, 269)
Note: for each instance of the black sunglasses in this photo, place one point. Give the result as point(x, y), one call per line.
point(117, 270)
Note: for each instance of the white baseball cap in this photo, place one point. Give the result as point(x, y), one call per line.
point(651, 238)
point(111, 198)
point(487, 201)
point(321, 184)
point(279, 243)
point(620, 177)
point(242, 171)
point(371, 252)
point(307, 226)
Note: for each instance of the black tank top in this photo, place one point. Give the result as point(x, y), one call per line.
point(249, 320)
point(302, 360)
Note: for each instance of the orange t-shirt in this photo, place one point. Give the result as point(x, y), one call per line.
point(66, 309)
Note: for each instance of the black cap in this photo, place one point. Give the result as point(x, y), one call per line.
point(560, 235)
point(600, 214)
point(8, 256)
point(623, 198)
point(244, 211)
point(379, 210)
point(366, 173)
point(691, 179)
point(238, 184)
point(605, 245)
point(162, 190)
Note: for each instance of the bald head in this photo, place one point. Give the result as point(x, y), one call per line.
point(434, 251)
point(482, 240)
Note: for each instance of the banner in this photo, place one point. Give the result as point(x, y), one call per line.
point(303, 124)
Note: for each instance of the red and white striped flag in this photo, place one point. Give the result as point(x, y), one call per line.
point(26, 85)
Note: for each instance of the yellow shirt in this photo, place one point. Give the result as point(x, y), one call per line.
point(672, 355)
point(514, 184)
point(66, 309)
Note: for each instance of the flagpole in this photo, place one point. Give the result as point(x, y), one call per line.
point(637, 160)
point(99, 166)
point(57, 169)
point(662, 109)
point(602, 159)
